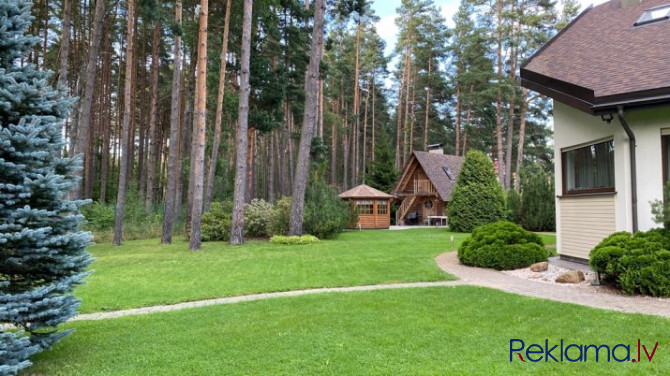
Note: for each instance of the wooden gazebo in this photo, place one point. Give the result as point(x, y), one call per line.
point(373, 206)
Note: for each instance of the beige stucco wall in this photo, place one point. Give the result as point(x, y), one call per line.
point(575, 128)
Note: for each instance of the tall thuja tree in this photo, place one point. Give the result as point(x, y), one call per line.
point(42, 253)
point(477, 198)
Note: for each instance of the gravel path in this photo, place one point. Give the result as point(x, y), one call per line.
point(254, 297)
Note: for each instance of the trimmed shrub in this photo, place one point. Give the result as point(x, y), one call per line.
point(637, 263)
point(478, 198)
point(294, 240)
point(281, 214)
point(257, 216)
point(216, 223)
point(502, 246)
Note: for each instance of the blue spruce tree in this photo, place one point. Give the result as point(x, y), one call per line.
point(42, 254)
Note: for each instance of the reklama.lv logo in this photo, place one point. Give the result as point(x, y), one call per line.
point(577, 353)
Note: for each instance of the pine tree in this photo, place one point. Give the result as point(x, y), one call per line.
point(42, 254)
point(383, 173)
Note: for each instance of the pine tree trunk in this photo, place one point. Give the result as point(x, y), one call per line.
point(125, 137)
point(237, 228)
point(365, 132)
point(211, 171)
point(199, 130)
point(499, 137)
point(173, 169)
point(152, 161)
point(510, 142)
point(271, 176)
point(425, 127)
point(309, 120)
point(84, 122)
point(373, 117)
point(64, 54)
point(522, 136)
point(457, 127)
point(333, 152)
point(357, 106)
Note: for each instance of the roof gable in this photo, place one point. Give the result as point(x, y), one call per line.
point(434, 166)
point(602, 60)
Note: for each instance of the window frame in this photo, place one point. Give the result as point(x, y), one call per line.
point(385, 205)
point(365, 203)
point(587, 191)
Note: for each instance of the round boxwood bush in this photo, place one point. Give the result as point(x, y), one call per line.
point(502, 246)
point(637, 263)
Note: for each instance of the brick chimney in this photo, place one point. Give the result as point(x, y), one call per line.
point(436, 149)
point(629, 3)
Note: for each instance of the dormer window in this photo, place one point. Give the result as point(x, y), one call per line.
point(654, 15)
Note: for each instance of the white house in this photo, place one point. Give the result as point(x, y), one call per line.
point(608, 73)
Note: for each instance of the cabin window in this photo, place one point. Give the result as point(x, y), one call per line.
point(589, 169)
point(382, 207)
point(364, 206)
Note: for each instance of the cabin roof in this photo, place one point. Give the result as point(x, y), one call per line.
point(365, 191)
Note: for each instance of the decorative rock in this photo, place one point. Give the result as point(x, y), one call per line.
point(539, 267)
point(572, 276)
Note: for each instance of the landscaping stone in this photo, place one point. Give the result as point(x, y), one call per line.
point(540, 267)
point(572, 276)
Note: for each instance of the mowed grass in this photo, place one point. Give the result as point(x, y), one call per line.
point(434, 331)
point(146, 273)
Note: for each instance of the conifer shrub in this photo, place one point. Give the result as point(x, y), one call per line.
point(325, 214)
point(502, 246)
point(538, 207)
point(216, 223)
point(257, 216)
point(294, 240)
point(514, 206)
point(478, 198)
point(638, 264)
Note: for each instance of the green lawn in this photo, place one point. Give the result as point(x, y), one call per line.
point(145, 273)
point(436, 331)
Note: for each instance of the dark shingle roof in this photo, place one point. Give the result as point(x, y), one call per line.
point(601, 59)
point(364, 191)
point(433, 163)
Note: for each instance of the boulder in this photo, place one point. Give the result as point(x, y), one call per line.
point(539, 267)
point(571, 276)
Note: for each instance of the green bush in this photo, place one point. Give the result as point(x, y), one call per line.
point(477, 198)
point(257, 216)
point(279, 221)
point(538, 207)
point(514, 206)
point(99, 217)
point(294, 240)
point(637, 263)
point(502, 246)
point(325, 214)
point(216, 223)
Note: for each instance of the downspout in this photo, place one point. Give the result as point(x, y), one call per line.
point(633, 166)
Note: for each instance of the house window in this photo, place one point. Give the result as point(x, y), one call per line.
point(654, 15)
point(364, 206)
point(382, 207)
point(589, 169)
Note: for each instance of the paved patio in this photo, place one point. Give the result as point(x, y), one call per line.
point(497, 280)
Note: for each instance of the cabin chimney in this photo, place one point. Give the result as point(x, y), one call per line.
point(629, 3)
point(436, 149)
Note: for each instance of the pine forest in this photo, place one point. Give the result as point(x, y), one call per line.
point(185, 104)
